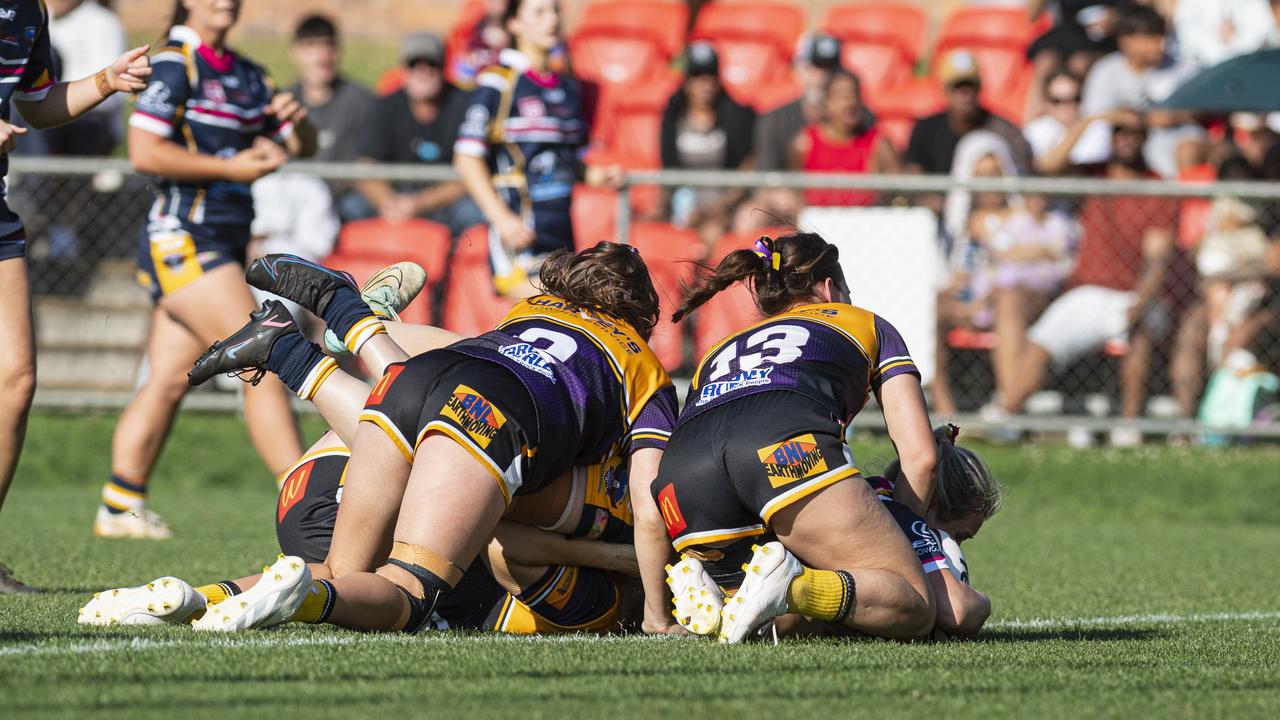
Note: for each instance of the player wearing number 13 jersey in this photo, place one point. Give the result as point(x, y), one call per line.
point(758, 454)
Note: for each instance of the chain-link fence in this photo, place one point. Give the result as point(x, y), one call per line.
point(1033, 303)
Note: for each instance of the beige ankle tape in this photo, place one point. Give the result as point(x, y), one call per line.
point(426, 559)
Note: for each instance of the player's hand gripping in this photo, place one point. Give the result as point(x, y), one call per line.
point(130, 71)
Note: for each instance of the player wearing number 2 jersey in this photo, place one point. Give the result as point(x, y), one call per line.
point(448, 438)
point(756, 469)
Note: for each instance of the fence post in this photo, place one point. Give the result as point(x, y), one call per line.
point(622, 225)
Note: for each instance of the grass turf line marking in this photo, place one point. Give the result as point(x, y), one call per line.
point(292, 641)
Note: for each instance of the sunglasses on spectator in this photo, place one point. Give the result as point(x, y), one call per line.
point(415, 63)
point(1073, 100)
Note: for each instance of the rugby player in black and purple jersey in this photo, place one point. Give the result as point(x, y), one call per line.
point(27, 82)
point(208, 124)
point(757, 474)
point(559, 557)
point(448, 438)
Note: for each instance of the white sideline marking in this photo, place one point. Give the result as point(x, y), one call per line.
point(292, 641)
point(1114, 620)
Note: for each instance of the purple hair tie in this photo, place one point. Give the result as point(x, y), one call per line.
point(764, 250)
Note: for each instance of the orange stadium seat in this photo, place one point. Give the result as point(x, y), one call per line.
point(878, 65)
point(1007, 27)
point(755, 42)
point(898, 25)
point(631, 120)
point(729, 311)
point(897, 108)
point(363, 267)
point(665, 249)
point(594, 211)
point(621, 43)
point(1011, 102)
point(422, 241)
point(774, 95)
point(470, 305)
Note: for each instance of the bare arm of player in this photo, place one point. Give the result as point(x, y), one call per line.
point(653, 548)
point(68, 101)
point(527, 545)
point(907, 419)
point(474, 173)
point(961, 609)
point(152, 154)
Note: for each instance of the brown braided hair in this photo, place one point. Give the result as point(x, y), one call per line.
point(610, 278)
point(779, 272)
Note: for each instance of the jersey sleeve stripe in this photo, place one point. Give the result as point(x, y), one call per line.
point(168, 56)
point(934, 564)
point(470, 146)
point(904, 363)
point(150, 123)
point(896, 358)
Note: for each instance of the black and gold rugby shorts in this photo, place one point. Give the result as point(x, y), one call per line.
point(727, 472)
point(481, 406)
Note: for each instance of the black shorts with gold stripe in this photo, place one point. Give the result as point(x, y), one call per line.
point(726, 473)
point(480, 405)
point(172, 253)
point(565, 599)
point(305, 515)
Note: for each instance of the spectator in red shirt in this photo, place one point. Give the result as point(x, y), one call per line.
point(1122, 283)
point(846, 141)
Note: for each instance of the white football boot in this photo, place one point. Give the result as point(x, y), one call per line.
point(387, 292)
point(697, 597)
point(163, 601)
point(272, 601)
point(763, 595)
point(140, 524)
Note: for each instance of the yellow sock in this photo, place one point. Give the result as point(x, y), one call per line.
point(318, 604)
point(217, 592)
point(822, 594)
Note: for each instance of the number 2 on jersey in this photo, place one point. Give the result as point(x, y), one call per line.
point(778, 345)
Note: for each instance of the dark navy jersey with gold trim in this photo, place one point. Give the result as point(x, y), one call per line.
point(209, 103)
point(835, 353)
point(532, 130)
point(584, 370)
point(26, 74)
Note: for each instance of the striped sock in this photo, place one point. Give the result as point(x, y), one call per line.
point(219, 591)
point(121, 496)
point(318, 603)
point(300, 365)
point(350, 318)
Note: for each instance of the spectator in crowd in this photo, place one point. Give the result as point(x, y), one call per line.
point(1124, 285)
point(704, 129)
point(1136, 77)
point(338, 107)
point(817, 57)
point(845, 141)
point(969, 218)
point(1082, 33)
point(932, 145)
point(1062, 109)
point(418, 123)
point(1253, 136)
point(1211, 31)
point(485, 40)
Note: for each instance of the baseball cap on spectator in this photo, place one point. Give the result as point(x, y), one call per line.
point(422, 46)
point(819, 50)
point(701, 59)
point(958, 67)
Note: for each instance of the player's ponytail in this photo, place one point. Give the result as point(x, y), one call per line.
point(779, 272)
point(610, 278)
point(963, 483)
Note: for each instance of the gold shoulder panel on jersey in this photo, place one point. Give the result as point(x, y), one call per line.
point(632, 360)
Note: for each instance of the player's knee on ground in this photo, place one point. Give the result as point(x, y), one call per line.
point(565, 599)
point(429, 576)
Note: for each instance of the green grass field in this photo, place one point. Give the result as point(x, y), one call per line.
point(1139, 584)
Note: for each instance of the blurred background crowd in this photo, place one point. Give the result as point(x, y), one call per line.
point(1142, 295)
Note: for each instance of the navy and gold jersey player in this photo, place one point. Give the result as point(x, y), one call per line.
point(213, 103)
point(552, 387)
point(532, 128)
point(763, 426)
point(26, 75)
